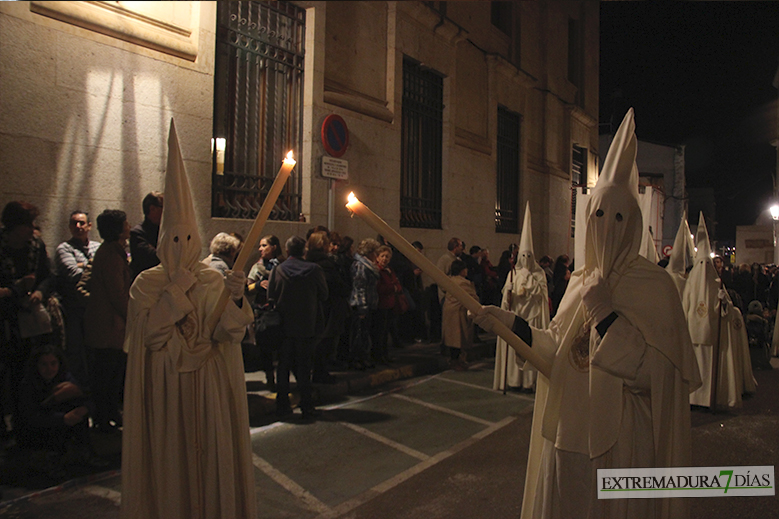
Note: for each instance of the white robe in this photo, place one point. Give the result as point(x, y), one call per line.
point(734, 375)
point(186, 450)
point(628, 409)
point(619, 401)
point(530, 301)
point(710, 332)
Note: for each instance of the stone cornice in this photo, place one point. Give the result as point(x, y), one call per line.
point(113, 20)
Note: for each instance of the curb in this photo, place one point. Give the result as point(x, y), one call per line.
point(75, 482)
point(434, 364)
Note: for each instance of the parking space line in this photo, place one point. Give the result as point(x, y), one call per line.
point(106, 493)
point(444, 409)
point(484, 388)
point(368, 495)
point(386, 441)
point(296, 490)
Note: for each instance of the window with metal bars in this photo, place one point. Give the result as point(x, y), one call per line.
point(421, 146)
point(578, 179)
point(258, 101)
point(507, 197)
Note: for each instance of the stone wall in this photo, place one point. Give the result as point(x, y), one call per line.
point(87, 100)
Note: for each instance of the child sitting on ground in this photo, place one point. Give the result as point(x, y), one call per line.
point(53, 415)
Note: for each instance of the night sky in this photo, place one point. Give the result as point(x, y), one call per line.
point(699, 74)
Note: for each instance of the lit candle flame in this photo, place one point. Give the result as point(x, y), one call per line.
point(352, 199)
point(289, 158)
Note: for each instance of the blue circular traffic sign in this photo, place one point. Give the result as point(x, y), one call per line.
point(335, 135)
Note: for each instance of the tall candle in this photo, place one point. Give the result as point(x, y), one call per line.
point(254, 233)
point(444, 282)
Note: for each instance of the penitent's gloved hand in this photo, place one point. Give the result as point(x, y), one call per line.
point(484, 318)
point(235, 282)
point(183, 278)
point(597, 296)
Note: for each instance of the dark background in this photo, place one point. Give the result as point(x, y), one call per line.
point(699, 74)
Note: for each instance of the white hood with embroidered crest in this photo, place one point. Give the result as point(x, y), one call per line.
point(700, 292)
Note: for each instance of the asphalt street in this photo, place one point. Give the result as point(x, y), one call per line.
point(416, 440)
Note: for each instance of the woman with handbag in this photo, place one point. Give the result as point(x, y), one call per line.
point(25, 285)
point(268, 338)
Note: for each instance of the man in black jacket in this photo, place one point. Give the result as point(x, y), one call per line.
point(299, 289)
point(143, 237)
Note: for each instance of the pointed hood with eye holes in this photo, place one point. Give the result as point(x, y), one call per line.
point(681, 255)
point(614, 222)
point(179, 243)
point(644, 298)
point(526, 258)
point(700, 292)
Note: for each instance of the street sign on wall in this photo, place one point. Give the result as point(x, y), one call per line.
point(335, 135)
point(335, 168)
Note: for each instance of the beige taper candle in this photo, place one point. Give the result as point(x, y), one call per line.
point(254, 233)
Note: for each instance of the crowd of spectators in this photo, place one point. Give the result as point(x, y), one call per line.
point(342, 305)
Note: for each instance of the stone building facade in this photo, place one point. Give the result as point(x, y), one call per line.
point(88, 90)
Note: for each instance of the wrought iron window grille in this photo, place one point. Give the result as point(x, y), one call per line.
point(258, 100)
point(508, 172)
point(421, 147)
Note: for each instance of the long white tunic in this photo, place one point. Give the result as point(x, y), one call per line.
point(621, 404)
point(186, 450)
point(530, 301)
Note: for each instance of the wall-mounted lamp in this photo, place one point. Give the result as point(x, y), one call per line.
point(221, 144)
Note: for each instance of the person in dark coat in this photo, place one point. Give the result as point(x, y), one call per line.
point(385, 317)
point(54, 414)
point(560, 277)
point(299, 290)
point(26, 282)
point(143, 237)
point(343, 254)
point(363, 300)
point(336, 307)
point(105, 319)
point(267, 340)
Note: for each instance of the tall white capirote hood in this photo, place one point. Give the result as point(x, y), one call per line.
point(682, 254)
point(179, 242)
point(525, 255)
point(614, 222)
point(700, 292)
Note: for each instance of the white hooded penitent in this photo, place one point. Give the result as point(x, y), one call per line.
point(681, 255)
point(525, 294)
point(186, 450)
point(619, 400)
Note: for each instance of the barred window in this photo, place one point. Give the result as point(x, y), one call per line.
point(258, 101)
point(507, 198)
point(421, 147)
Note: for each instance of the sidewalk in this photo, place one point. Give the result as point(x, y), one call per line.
point(413, 360)
point(19, 482)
